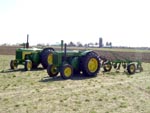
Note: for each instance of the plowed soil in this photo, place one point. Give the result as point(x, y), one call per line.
point(110, 55)
point(134, 56)
point(8, 50)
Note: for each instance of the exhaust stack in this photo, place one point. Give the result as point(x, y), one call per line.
point(27, 44)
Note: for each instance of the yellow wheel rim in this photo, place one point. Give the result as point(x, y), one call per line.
point(14, 64)
point(67, 71)
point(132, 68)
point(92, 65)
point(50, 58)
point(53, 70)
point(107, 66)
point(29, 65)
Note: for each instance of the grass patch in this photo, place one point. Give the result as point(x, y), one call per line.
point(123, 105)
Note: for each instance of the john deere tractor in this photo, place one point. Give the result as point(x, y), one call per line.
point(68, 63)
point(32, 57)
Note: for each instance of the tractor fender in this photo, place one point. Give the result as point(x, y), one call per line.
point(83, 53)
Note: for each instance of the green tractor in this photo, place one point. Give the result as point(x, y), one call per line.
point(32, 57)
point(74, 62)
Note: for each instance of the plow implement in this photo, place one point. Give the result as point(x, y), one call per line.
point(120, 62)
point(129, 66)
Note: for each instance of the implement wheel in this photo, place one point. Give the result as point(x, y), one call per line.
point(52, 70)
point(107, 67)
point(28, 65)
point(139, 67)
point(131, 68)
point(46, 57)
point(13, 64)
point(90, 64)
point(66, 71)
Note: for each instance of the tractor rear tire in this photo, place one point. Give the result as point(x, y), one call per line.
point(90, 64)
point(46, 57)
point(51, 70)
point(107, 67)
point(131, 68)
point(76, 72)
point(28, 65)
point(66, 71)
point(13, 64)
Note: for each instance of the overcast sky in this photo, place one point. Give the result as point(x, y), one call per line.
point(122, 22)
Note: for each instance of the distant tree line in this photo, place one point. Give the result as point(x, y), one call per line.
point(108, 44)
point(78, 44)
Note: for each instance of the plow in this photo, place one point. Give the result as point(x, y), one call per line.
point(128, 65)
point(119, 62)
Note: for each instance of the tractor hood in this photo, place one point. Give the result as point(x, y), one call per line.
point(29, 49)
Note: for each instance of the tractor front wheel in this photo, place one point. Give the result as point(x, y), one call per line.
point(28, 65)
point(13, 64)
point(52, 70)
point(131, 68)
point(66, 71)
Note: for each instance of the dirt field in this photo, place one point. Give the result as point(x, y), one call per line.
point(112, 55)
point(109, 54)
